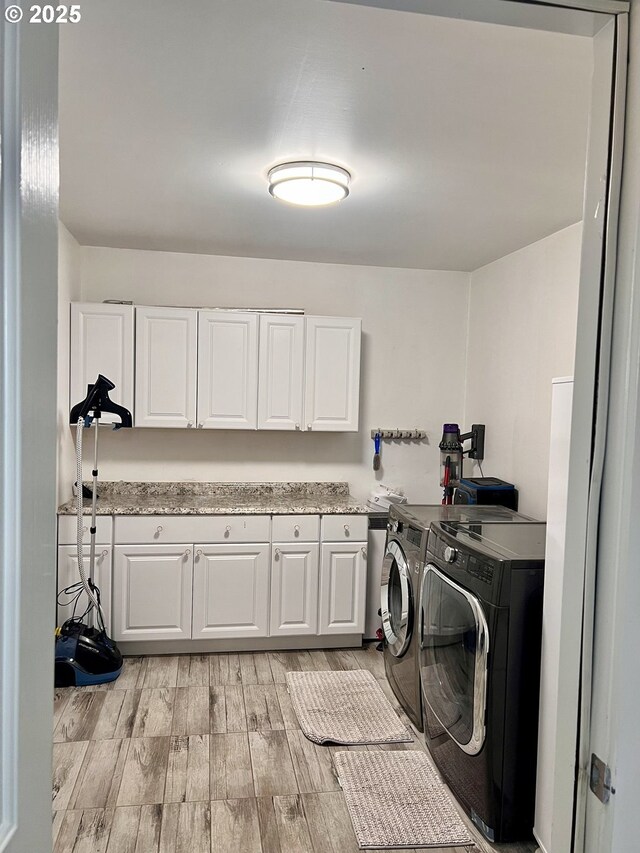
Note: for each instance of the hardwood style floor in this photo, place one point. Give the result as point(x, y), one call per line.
point(203, 754)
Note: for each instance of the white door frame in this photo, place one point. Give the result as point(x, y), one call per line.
point(28, 260)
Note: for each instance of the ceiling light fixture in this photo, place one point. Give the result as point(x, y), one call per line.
point(308, 183)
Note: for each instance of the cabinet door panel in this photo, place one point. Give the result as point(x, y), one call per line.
point(227, 370)
point(281, 372)
point(152, 586)
point(231, 591)
point(294, 589)
point(68, 575)
point(166, 363)
point(332, 374)
point(343, 576)
point(102, 342)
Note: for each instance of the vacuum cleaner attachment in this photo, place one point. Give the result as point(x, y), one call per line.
point(84, 653)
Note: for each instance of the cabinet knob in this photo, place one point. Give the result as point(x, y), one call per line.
point(199, 552)
point(364, 551)
point(277, 553)
point(187, 552)
point(104, 553)
point(309, 426)
point(85, 528)
point(296, 529)
point(346, 529)
point(297, 426)
point(190, 424)
point(227, 530)
point(159, 530)
point(200, 426)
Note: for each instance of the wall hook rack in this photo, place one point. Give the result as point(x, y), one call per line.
point(399, 434)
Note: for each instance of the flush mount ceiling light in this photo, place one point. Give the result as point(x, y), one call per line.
point(308, 183)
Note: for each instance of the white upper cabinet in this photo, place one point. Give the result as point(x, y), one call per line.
point(281, 371)
point(332, 374)
point(227, 370)
point(102, 342)
point(166, 365)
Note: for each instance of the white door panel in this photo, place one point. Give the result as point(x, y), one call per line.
point(152, 586)
point(231, 591)
point(343, 575)
point(102, 342)
point(294, 589)
point(166, 363)
point(281, 372)
point(227, 370)
point(332, 374)
point(68, 575)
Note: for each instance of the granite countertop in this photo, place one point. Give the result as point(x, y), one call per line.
point(187, 498)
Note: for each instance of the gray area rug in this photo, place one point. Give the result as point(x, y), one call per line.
point(344, 707)
point(395, 799)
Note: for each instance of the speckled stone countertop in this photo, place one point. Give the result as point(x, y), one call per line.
point(186, 498)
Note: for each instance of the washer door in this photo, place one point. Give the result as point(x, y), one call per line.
point(454, 646)
point(396, 600)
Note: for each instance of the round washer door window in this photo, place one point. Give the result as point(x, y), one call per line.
point(396, 600)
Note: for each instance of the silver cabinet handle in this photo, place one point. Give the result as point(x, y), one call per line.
point(297, 426)
point(187, 552)
point(308, 426)
point(200, 426)
point(296, 529)
point(159, 530)
point(364, 551)
point(277, 553)
point(104, 553)
point(85, 528)
point(190, 424)
point(346, 529)
point(199, 553)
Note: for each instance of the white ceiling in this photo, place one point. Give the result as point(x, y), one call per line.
point(465, 140)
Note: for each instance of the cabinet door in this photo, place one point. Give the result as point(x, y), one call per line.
point(102, 342)
point(231, 591)
point(166, 363)
point(343, 576)
point(227, 370)
point(294, 589)
point(152, 587)
point(281, 372)
point(68, 575)
point(332, 374)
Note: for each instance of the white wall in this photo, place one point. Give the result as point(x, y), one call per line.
point(414, 322)
point(68, 290)
point(522, 333)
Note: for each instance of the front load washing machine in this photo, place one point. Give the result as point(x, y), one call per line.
point(405, 550)
point(480, 624)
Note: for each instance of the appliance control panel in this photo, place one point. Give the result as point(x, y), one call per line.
point(462, 561)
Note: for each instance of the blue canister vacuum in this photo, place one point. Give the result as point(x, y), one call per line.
point(84, 652)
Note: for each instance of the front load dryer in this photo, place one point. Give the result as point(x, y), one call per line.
point(405, 550)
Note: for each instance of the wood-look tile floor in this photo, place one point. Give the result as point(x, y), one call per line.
point(203, 753)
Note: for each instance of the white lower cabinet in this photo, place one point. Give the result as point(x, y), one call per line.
point(231, 591)
point(343, 577)
point(68, 575)
point(294, 588)
point(152, 592)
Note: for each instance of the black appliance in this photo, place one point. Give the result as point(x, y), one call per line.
point(480, 625)
point(486, 490)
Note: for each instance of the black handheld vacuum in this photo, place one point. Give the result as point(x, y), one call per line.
point(84, 653)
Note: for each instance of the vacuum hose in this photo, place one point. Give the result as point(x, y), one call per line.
point(83, 577)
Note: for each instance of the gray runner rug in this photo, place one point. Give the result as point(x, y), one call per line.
point(395, 799)
point(344, 707)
